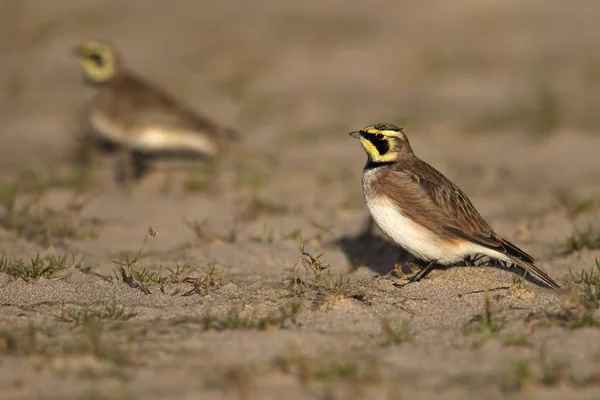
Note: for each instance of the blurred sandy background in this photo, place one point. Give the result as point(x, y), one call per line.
point(501, 96)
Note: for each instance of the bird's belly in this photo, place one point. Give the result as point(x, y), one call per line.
point(157, 138)
point(413, 237)
point(107, 129)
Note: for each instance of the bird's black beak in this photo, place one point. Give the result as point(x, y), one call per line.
point(356, 134)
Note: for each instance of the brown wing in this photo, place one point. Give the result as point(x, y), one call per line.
point(154, 106)
point(454, 214)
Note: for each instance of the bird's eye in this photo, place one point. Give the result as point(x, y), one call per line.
point(379, 136)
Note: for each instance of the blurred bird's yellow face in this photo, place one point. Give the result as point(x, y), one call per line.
point(99, 61)
point(383, 142)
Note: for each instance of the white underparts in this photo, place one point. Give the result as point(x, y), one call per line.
point(158, 138)
point(154, 138)
point(415, 238)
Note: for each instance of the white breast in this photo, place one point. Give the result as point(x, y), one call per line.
point(106, 128)
point(419, 241)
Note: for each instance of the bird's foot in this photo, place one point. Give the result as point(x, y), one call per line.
point(411, 277)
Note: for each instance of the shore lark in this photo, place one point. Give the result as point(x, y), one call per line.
point(423, 211)
point(140, 118)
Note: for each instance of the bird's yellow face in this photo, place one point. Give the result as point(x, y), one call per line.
point(99, 61)
point(383, 142)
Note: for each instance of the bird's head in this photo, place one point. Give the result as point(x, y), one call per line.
point(100, 61)
point(383, 142)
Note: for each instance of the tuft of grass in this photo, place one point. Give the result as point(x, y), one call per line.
point(580, 240)
point(84, 339)
point(519, 375)
point(392, 336)
point(581, 307)
point(90, 342)
point(329, 368)
point(113, 312)
point(38, 267)
point(234, 320)
point(589, 282)
point(267, 237)
point(251, 177)
point(574, 206)
point(518, 280)
point(25, 214)
point(486, 324)
point(516, 340)
point(205, 284)
point(19, 342)
point(319, 280)
point(257, 208)
point(201, 232)
point(206, 236)
point(134, 278)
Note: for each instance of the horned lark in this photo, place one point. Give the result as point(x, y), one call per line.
point(137, 116)
point(423, 211)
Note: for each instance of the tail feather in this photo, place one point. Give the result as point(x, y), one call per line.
point(512, 250)
point(535, 271)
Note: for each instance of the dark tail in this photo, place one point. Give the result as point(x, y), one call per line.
point(535, 271)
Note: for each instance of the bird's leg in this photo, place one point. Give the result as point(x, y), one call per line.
point(212, 170)
point(126, 171)
point(422, 273)
point(368, 227)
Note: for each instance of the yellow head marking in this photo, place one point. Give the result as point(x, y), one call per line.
point(100, 61)
point(383, 142)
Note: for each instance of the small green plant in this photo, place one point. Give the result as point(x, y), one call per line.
point(128, 274)
point(233, 319)
point(257, 208)
point(209, 282)
point(201, 231)
point(252, 178)
point(580, 240)
point(198, 179)
point(574, 206)
point(91, 342)
point(518, 375)
point(19, 342)
point(329, 368)
point(207, 236)
point(267, 237)
point(141, 278)
point(113, 312)
point(38, 267)
point(24, 213)
point(484, 324)
point(580, 307)
point(319, 280)
point(314, 265)
point(517, 281)
point(393, 336)
point(516, 340)
point(589, 282)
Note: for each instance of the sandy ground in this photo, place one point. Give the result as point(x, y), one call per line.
point(216, 300)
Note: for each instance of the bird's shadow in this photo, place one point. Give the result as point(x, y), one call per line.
point(373, 251)
point(380, 255)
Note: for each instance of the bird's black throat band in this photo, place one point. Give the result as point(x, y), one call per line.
point(374, 164)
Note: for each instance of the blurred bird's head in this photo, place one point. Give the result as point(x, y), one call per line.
point(100, 61)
